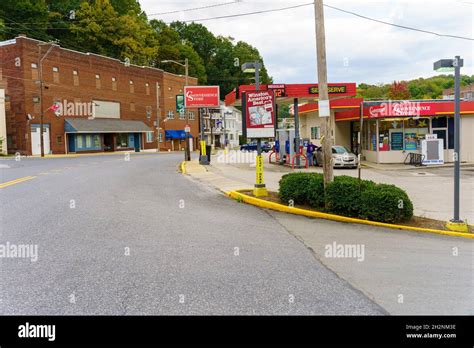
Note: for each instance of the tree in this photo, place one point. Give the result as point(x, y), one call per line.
point(61, 15)
point(29, 17)
point(125, 6)
point(171, 47)
point(399, 91)
point(100, 29)
point(199, 37)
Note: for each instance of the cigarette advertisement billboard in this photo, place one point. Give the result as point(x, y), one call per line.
point(260, 114)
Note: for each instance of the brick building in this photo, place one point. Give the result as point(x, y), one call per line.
point(90, 102)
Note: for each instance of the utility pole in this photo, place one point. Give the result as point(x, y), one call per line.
point(324, 111)
point(41, 84)
point(360, 140)
point(187, 154)
point(457, 62)
point(158, 116)
point(187, 149)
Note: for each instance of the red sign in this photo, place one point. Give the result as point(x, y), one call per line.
point(260, 116)
point(400, 108)
point(201, 96)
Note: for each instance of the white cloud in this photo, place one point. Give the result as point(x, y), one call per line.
point(358, 50)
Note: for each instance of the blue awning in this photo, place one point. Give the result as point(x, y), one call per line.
point(176, 134)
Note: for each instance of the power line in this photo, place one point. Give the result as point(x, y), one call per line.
point(398, 25)
point(288, 8)
point(334, 8)
point(245, 14)
point(194, 8)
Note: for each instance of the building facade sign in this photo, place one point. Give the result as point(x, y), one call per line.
point(201, 96)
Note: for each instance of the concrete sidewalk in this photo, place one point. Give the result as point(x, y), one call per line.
point(430, 189)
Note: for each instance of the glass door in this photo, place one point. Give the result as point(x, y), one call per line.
point(442, 134)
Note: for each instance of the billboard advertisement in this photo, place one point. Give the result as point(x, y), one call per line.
point(201, 96)
point(260, 115)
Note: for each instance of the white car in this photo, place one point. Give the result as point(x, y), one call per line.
point(342, 157)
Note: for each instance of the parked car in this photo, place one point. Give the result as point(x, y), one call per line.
point(252, 146)
point(342, 157)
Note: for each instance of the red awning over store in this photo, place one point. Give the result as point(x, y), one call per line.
point(347, 103)
point(405, 108)
point(285, 93)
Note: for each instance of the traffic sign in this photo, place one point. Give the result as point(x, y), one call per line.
point(187, 128)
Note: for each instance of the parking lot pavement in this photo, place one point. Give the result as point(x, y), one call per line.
point(407, 273)
point(430, 189)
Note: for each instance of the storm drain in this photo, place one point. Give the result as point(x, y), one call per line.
point(422, 174)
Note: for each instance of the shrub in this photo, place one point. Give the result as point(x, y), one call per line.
point(343, 195)
point(315, 195)
point(348, 196)
point(385, 203)
point(300, 187)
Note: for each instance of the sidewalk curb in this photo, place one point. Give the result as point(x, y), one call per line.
point(309, 213)
point(115, 153)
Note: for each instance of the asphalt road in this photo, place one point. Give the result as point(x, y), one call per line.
point(136, 237)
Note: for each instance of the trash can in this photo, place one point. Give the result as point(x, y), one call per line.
point(208, 153)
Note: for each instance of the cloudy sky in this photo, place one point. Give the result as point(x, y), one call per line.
point(358, 50)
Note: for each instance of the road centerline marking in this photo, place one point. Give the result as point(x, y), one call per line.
point(16, 181)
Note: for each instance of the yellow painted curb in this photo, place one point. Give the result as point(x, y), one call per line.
point(16, 181)
point(183, 167)
point(457, 226)
point(315, 214)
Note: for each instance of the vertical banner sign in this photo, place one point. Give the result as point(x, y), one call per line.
point(260, 115)
point(180, 104)
point(203, 147)
point(259, 166)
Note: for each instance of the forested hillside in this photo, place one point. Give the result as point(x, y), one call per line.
point(429, 88)
point(120, 29)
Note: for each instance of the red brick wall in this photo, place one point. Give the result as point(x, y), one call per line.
point(22, 87)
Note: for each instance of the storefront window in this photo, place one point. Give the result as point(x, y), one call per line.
point(315, 133)
point(439, 122)
point(389, 129)
point(122, 140)
point(97, 141)
point(80, 144)
point(415, 131)
point(88, 141)
point(371, 143)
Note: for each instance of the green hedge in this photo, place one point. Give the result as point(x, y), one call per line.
point(385, 203)
point(302, 188)
point(348, 196)
point(344, 193)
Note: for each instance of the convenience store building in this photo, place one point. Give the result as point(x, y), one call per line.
point(393, 129)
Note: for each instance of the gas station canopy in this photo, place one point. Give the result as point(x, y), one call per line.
point(286, 93)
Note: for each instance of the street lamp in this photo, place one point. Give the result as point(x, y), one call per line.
point(187, 153)
point(260, 188)
point(449, 65)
